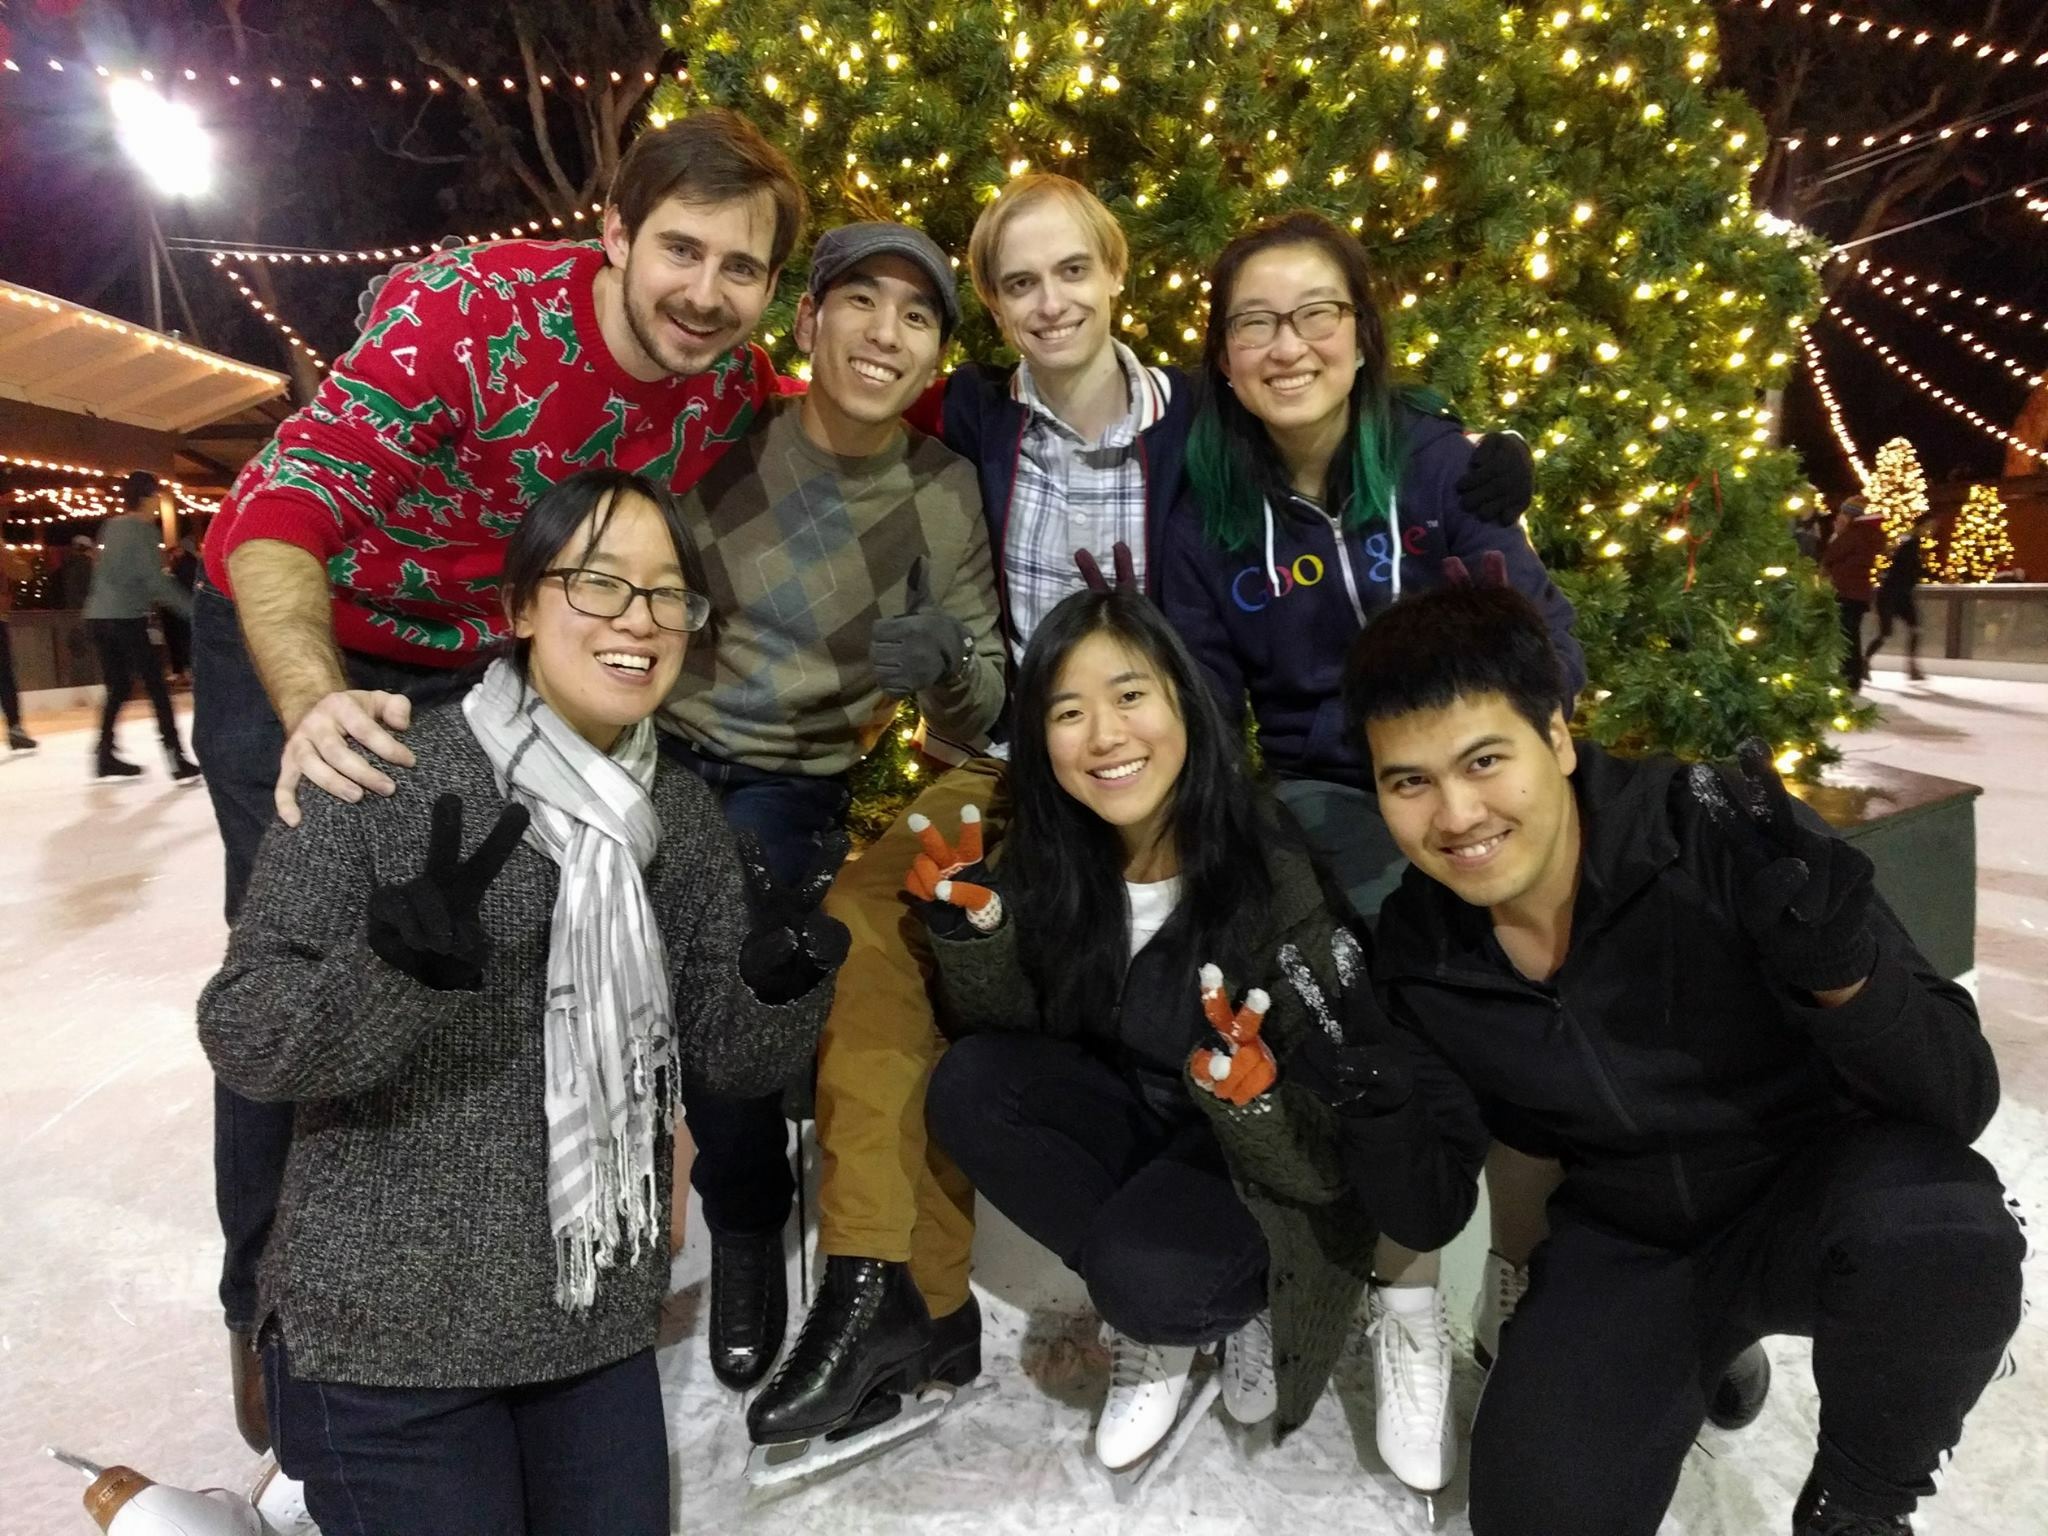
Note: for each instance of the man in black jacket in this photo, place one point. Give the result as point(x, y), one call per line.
point(1682, 985)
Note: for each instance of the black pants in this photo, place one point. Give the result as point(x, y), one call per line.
point(237, 736)
point(1890, 1247)
point(1854, 668)
point(587, 1456)
point(741, 1171)
point(1897, 610)
point(127, 658)
point(10, 695)
point(1142, 1210)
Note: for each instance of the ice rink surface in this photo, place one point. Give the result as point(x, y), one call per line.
point(110, 1336)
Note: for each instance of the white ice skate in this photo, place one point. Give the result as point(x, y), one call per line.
point(1153, 1406)
point(1411, 1368)
point(281, 1501)
point(1250, 1393)
point(1501, 1285)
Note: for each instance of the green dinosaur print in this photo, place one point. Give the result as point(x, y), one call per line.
point(516, 420)
point(360, 475)
point(558, 324)
point(451, 269)
point(504, 349)
point(419, 499)
point(434, 634)
point(442, 460)
point(601, 444)
point(556, 274)
point(483, 584)
point(498, 523)
point(386, 413)
point(412, 538)
point(415, 583)
point(532, 480)
point(406, 314)
point(662, 471)
point(343, 568)
point(290, 478)
point(739, 361)
point(736, 428)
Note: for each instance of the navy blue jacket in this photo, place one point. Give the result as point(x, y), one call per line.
point(981, 421)
point(1288, 651)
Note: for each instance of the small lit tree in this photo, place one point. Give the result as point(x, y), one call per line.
point(1897, 492)
point(1979, 547)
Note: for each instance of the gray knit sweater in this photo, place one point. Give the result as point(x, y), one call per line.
point(411, 1246)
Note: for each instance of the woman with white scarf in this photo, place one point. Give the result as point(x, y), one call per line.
point(483, 993)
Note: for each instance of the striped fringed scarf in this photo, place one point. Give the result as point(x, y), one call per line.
point(608, 1028)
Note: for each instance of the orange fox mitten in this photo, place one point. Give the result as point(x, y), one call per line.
point(932, 875)
point(1246, 1068)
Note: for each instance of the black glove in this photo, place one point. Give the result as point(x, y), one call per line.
point(427, 926)
point(366, 301)
point(922, 646)
point(1808, 897)
point(790, 945)
point(1499, 482)
point(1349, 1059)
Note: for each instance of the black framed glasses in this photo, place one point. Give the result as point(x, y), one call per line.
point(1311, 322)
point(603, 596)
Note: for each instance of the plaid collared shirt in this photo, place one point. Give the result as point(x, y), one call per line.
point(1072, 494)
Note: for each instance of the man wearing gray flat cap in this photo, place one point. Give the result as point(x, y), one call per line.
point(848, 565)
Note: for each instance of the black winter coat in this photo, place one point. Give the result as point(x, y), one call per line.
point(1671, 1076)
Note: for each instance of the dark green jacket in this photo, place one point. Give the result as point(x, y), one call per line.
point(1282, 1147)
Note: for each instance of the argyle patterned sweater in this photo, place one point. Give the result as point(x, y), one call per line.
point(481, 380)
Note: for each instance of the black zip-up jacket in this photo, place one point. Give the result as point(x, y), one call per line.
point(1664, 1068)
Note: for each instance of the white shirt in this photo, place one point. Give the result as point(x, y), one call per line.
point(1151, 906)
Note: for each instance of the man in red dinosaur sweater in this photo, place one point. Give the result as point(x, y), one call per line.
point(360, 551)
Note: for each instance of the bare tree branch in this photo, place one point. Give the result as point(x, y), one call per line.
point(537, 110)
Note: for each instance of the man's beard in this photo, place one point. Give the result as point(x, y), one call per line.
point(651, 331)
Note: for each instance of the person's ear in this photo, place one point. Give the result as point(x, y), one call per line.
point(616, 241)
point(1562, 747)
point(805, 332)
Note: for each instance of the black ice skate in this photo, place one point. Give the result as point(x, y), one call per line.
point(749, 1306)
point(869, 1368)
point(1739, 1395)
point(1819, 1512)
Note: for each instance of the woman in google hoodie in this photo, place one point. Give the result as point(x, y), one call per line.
point(1322, 496)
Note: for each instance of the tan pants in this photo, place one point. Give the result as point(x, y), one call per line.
point(885, 1191)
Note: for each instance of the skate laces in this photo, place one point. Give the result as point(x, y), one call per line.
point(1410, 1349)
point(1248, 1355)
point(1511, 1283)
point(1133, 1365)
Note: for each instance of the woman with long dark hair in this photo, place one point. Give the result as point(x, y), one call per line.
point(483, 993)
point(1326, 492)
point(1137, 854)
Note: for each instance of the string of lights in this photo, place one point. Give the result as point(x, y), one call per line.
point(431, 85)
point(1982, 126)
point(1912, 305)
point(1873, 28)
point(1927, 386)
point(2037, 206)
point(1938, 290)
point(1817, 371)
point(269, 317)
point(369, 256)
point(29, 299)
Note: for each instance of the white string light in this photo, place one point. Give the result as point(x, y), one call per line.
point(269, 316)
point(1878, 30)
point(1906, 301)
point(1933, 289)
point(373, 256)
point(1927, 386)
point(2037, 206)
point(1819, 375)
point(29, 299)
point(391, 85)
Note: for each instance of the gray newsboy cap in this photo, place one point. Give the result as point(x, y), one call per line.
point(840, 250)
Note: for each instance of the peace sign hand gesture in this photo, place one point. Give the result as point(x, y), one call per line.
point(1238, 1066)
point(790, 945)
point(427, 926)
point(952, 883)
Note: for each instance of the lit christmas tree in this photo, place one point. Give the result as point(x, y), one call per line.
point(1897, 492)
point(1558, 202)
point(1979, 547)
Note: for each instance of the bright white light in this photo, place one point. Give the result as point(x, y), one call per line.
point(164, 138)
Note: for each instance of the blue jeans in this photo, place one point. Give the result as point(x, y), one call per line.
point(741, 1173)
point(236, 735)
point(584, 1456)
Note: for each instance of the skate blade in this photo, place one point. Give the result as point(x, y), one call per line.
point(1126, 1483)
point(770, 1465)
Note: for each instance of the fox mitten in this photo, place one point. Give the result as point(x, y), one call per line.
point(1809, 898)
point(1240, 1066)
point(951, 883)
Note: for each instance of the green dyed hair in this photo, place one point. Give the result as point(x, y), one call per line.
point(1231, 459)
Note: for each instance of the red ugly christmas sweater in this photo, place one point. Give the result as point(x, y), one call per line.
point(481, 380)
